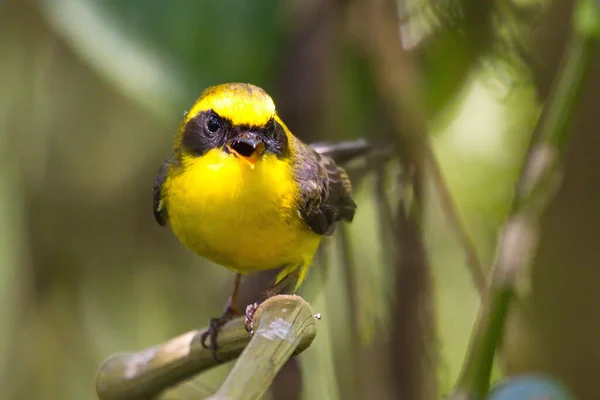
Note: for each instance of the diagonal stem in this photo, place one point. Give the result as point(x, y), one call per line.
point(536, 186)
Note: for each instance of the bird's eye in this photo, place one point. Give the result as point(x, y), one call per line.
point(213, 123)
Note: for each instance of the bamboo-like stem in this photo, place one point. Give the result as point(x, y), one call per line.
point(147, 373)
point(537, 185)
point(283, 325)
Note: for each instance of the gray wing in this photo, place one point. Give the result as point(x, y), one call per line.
point(160, 211)
point(326, 191)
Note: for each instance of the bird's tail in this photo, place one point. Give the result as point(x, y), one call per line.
point(344, 151)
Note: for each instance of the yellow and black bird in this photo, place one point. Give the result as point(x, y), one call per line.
point(243, 192)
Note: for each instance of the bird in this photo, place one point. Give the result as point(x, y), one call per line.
point(240, 190)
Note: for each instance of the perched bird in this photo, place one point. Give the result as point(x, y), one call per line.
point(240, 190)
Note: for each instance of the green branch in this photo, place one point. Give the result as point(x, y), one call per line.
point(537, 184)
point(283, 325)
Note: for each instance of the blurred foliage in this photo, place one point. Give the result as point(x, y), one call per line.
point(92, 93)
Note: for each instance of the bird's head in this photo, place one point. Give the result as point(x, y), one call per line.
point(237, 119)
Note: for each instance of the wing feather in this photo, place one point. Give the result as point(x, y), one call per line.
point(326, 191)
point(160, 211)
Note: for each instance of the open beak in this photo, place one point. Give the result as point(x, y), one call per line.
point(248, 146)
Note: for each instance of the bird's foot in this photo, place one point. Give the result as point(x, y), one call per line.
point(214, 327)
point(250, 311)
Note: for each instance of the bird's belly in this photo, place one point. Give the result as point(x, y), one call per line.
point(247, 227)
point(243, 243)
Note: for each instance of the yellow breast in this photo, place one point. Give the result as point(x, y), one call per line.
point(243, 218)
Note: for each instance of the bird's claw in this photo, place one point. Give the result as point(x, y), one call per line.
point(250, 311)
point(214, 327)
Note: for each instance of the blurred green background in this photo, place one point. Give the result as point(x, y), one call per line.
point(91, 94)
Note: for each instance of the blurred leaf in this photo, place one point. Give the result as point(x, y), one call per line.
point(11, 250)
point(163, 56)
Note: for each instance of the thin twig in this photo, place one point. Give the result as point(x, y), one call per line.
point(454, 219)
point(350, 358)
point(408, 113)
point(536, 186)
point(397, 81)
